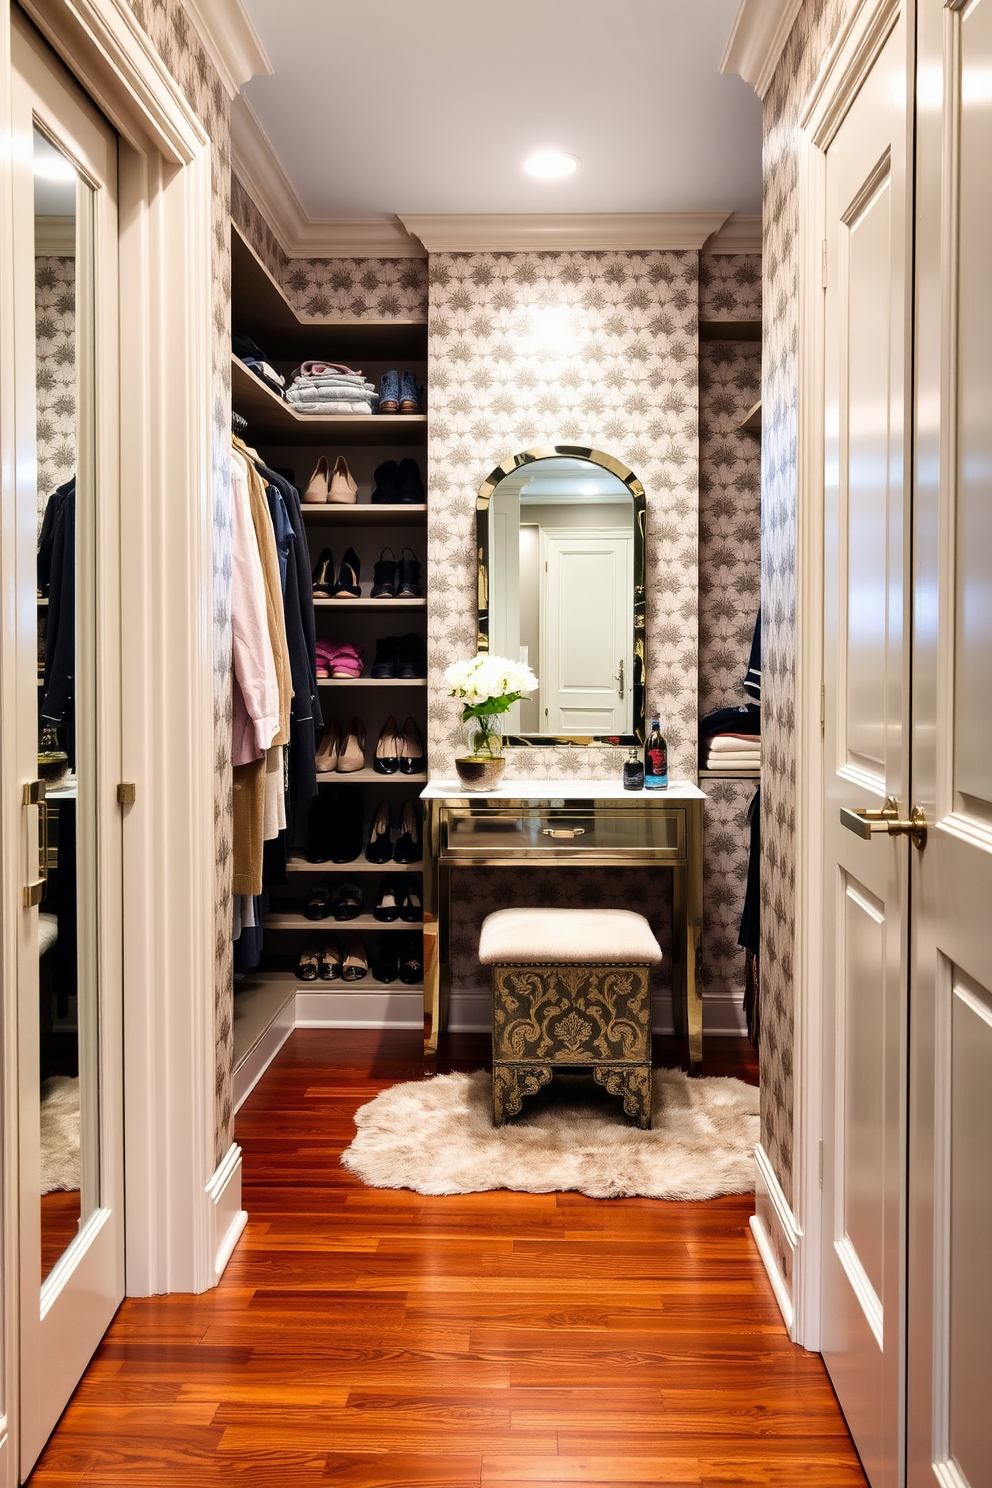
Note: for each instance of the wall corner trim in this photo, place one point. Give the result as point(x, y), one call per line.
point(261, 172)
point(229, 1219)
point(541, 232)
point(757, 40)
point(775, 1276)
point(773, 1221)
point(231, 40)
point(739, 234)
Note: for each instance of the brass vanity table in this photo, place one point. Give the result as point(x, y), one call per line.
point(579, 823)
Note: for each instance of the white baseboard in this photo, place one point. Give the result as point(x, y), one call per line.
point(360, 1009)
point(776, 1234)
point(257, 1061)
point(470, 1011)
point(227, 1216)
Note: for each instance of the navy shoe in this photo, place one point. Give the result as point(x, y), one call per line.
point(411, 657)
point(388, 489)
point(389, 392)
point(409, 483)
point(407, 575)
point(411, 393)
point(384, 577)
point(387, 650)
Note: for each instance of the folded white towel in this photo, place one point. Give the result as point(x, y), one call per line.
point(353, 410)
point(733, 743)
point(732, 767)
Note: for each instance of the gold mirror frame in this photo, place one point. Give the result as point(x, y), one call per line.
point(615, 467)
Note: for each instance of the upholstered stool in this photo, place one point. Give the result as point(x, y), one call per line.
point(570, 991)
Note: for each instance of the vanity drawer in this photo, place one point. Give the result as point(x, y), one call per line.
point(575, 832)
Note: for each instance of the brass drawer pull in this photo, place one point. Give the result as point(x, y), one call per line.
point(563, 831)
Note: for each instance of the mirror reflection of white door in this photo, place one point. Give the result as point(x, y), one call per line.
point(71, 1223)
point(586, 641)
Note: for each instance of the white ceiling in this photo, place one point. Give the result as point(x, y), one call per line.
point(379, 108)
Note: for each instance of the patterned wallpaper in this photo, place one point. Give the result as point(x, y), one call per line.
point(596, 349)
point(730, 286)
point(810, 39)
point(55, 368)
point(171, 32)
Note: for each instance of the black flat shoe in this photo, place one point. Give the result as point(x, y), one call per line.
point(318, 906)
point(411, 747)
point(348, 902)
point(384, 576)
point(411, 958)
point(408, 576)
point(330, 959)
point(379, 848)
point(355, 965)
point(308, 966)
point(386, 760)
point(387, 650)
point(385, 965)
point(409, 848)
point(387, 907)
point(411, 485)
point(386, 491)
point(349, 580)
point(411, 658)
point(411, 906)
point(323, 575)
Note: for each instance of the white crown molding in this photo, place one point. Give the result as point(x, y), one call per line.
point(231, 40)
point(757, 39)
point(55, 237)
point(739, 234)
point(495, 232)
point(261, 172)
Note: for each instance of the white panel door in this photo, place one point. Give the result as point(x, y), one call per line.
point(586, 640)
point(866, 696)
point(69, 1049)
point(950, 1154)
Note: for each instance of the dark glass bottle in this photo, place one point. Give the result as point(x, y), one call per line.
point(655, 758)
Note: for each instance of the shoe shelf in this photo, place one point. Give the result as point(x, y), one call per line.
point(369, 604)
point(367, 777)
point(371, 681)
point(271, 420)
point(364, 514)
point(275, 921)
point(292, 983)
point(358, 865)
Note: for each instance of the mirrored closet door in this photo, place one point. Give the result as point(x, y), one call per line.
point(62, 734)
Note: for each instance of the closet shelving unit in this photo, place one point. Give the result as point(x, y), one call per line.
point(264, 999)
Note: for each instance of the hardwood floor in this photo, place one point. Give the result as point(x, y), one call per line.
point(379, 1339)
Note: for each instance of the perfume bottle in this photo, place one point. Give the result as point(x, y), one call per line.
point(53, 762)
point(633, 771)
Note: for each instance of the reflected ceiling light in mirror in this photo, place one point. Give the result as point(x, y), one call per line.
point(551, 165)
point(554, 330)
point(53, 167)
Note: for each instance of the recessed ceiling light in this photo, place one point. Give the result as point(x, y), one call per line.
point(54, 168)
point(551, 165)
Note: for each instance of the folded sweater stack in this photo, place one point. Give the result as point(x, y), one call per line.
point(338, 659)
point(330, 387)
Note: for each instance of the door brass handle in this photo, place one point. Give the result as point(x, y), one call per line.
point(33, 794)
point(887, 819)
point(563, 831)
point(620, 678)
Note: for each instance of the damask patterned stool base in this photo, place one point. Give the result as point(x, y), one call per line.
point(575, 1016)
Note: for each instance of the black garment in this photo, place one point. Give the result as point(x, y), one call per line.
point(743, 720)
point(752, 677)
point(750, 936)
point(58, 705)
point(54, 508)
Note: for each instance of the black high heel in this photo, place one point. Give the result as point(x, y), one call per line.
point(411, 747)
point(323, 575)
point(379, 847)
point(349, 580)
point(411, 958)
point(408, 845)
point(384, 576)
point(385, 963)
point(386, 760)
point(408, 576)
point(411, 906)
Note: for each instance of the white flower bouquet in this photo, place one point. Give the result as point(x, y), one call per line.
point(488, 686)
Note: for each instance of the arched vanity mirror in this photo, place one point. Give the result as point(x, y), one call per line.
point(561, 534)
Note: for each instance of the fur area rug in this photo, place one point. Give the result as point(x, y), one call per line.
point(437, 1137)
point(59, 1134)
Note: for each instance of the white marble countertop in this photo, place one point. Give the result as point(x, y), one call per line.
point(563, 790)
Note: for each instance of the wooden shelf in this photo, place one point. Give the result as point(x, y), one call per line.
point(271, 420)
point(367, 776)
point(258, 1001)
point(366, 984)
point(259, 310)
point(751, 422)
point(301, 865)
point(730, 330)
point(371, 681)
point(364, 514)
point(370, 604)
point(342, 927)
point(730, 774)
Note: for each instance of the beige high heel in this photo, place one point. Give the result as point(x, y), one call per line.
point(343, 489)
point(351, 755)
point(316, 492)
point(330, 746)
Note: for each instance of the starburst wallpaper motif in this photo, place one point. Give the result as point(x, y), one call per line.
point(55, 372)
point(730, 286)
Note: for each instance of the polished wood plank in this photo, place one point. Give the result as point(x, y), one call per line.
point(382, 1339)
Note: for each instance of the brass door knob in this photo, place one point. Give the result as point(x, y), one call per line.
point(864, 823)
